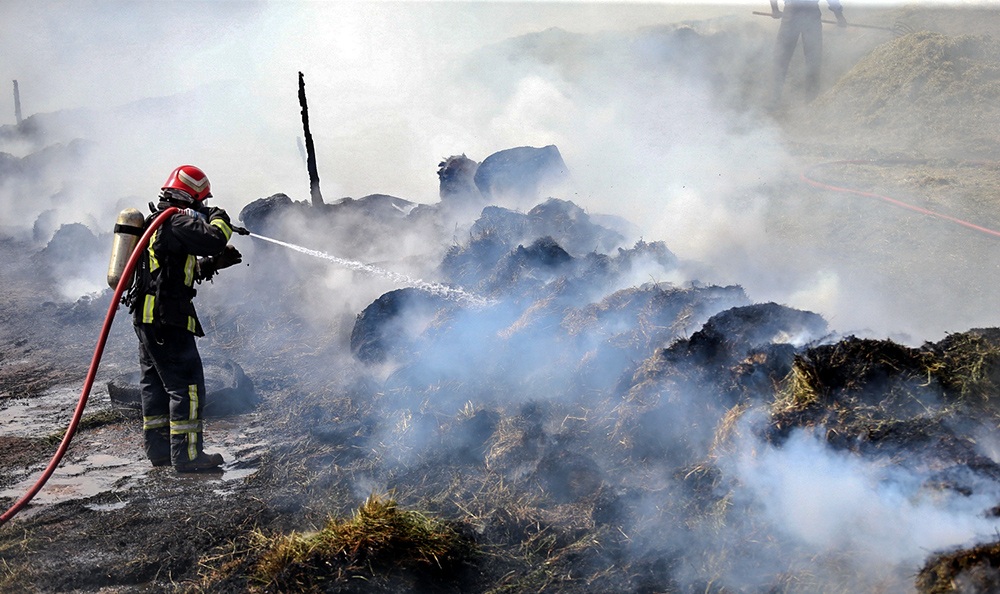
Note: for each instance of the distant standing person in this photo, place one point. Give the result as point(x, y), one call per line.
point(801, 18)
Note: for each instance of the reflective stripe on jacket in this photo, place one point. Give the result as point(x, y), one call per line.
point(170, 269)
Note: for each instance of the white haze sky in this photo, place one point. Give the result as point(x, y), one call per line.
point(373, 73)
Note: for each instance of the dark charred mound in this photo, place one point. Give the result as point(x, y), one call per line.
point(731, 341)
point(969, 365)
point(228, 390)
point(496, 262)
point(628, 325)
point(392, 326)
point(346, 227)
point(456, 182)
point(543, 314)
point(907, 93)
point(565, 222)
point(39, 164)
point(261, 215)
point(730, 336)
point(528, 269)
point(349, 225)
point(878, 398)
point(519, 173)
point(969, 571)
point(264, 215)
point(73, 247)
point(726, 363)
point(878, 383)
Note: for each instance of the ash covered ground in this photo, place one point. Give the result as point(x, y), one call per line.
point(750, 384)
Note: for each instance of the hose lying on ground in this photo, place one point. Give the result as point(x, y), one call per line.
point(805, 176)
point(123, 284)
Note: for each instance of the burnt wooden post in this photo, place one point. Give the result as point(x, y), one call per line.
point(317, 197)
point(17, 104)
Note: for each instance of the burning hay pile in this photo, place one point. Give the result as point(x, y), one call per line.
point(561, 408)
point(583, 427)
point(587, 433)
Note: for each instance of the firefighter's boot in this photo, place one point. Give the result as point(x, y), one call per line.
point(186, 449)
point(157, 446)
point(202, 463)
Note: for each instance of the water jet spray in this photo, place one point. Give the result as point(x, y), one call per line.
point(438, 289)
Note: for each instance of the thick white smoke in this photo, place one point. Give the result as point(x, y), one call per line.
point(393, 88)
point(878, 520)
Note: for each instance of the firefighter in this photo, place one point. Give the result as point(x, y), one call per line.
point(801, 18)
point(189, 246)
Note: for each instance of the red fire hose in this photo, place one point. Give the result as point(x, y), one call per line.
point(805, 177)
point(123, 283)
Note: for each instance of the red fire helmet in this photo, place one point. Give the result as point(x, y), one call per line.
point(191, 180)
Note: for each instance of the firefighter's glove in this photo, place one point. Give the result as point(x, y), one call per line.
point(207, 267)
point(228, 257)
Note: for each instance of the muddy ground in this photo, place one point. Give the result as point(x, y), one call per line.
point(561, 494)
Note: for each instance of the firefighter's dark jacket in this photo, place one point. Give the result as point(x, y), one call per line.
point(167, 272)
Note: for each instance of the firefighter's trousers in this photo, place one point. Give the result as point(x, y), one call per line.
point(172, 383)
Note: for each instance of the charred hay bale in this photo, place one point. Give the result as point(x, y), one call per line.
point(727, 337)
point(968, 365)
point(228, 390)
point(861, 371)
point(507, 226)
point(519, 173)
point(872, 396)
point(526, 268)
point(469, 265)
point(456, 176)
point(73, 248)
point(572, 227)
point(965, 571)
point(391, 326)
point(627, 325)
point(716, 354)
point(644, 254)
point(565, 222)
point(376, 207)
point(568, 224)
point(638, 318)
point(262, 215)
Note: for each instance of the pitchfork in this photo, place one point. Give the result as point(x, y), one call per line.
point(898, 28)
